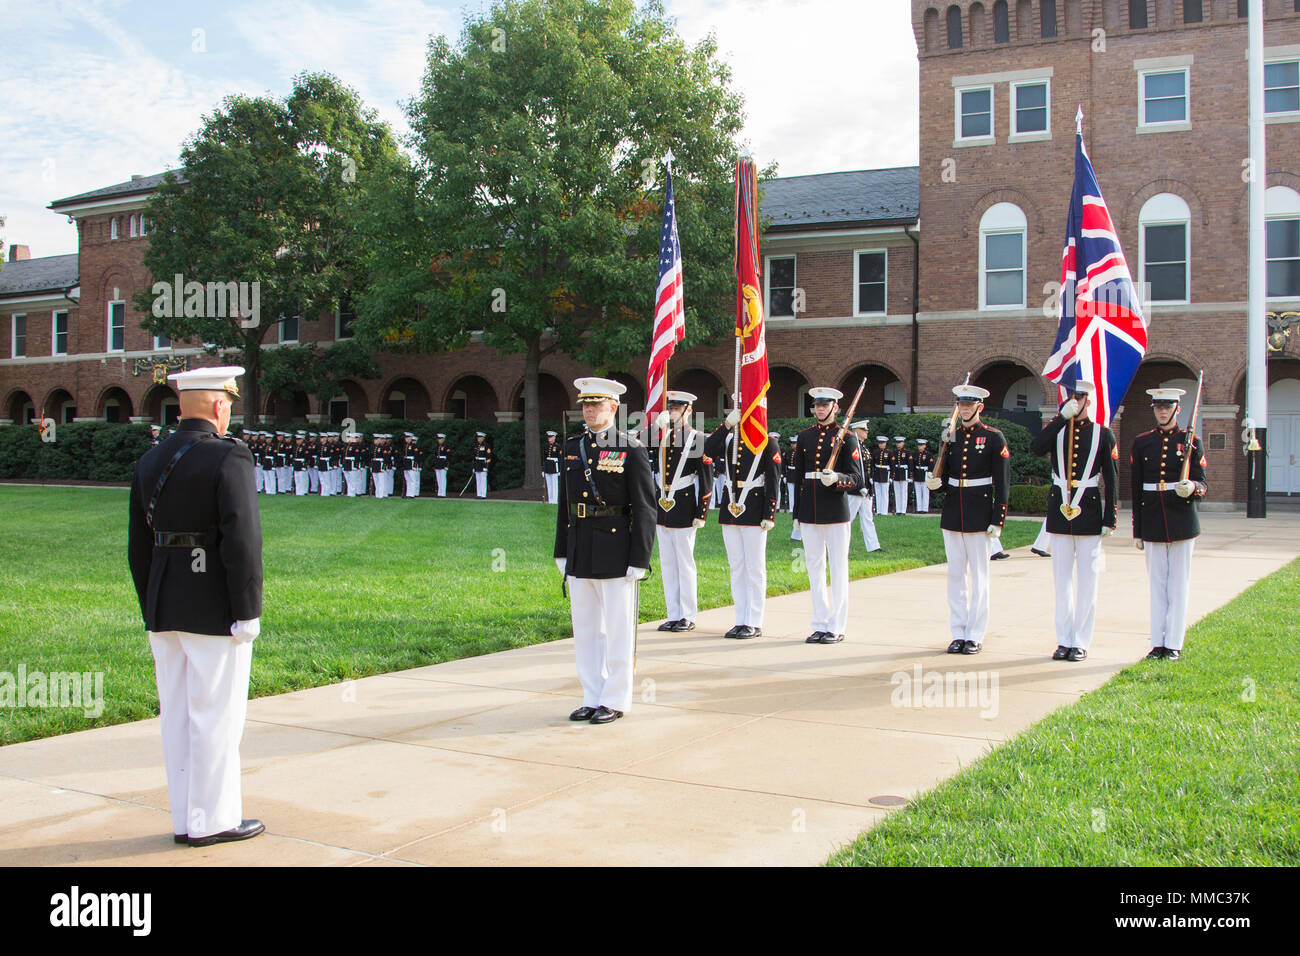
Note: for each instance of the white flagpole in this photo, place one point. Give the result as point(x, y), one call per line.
point(1256, 356)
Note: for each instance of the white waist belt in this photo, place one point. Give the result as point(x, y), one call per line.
point(758, 482)
point(812, 474)
point(1090, 482)
point(1160, 486)
point(681, 484)
point(970, 482)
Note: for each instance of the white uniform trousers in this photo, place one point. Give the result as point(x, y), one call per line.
point(900, 497)
point(1076, 569)
point(300, 482)
point(258, 479)
point(379, 487)
point(313, 475)
point(326, 486)
point(1169, 567)
point(719, 487)
point(1044, 540)
point(390, 481)
point(440, 476)
point(480, 484)
point(356, 482)
point(284, 479)
point(604, 639)
point(338, 480)
point(995, 545)
point(552, 489)
point(820, 542)
point(202, 698)
point(412, 476)
point(747, 556)
point(882, 497)
point(922, 497)
point(268, 480)
point(860, 505)
point(677, 568)
point(789, 497)
point(968, 607)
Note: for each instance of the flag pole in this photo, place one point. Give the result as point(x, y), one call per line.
point(665, 492)
point(740, 335)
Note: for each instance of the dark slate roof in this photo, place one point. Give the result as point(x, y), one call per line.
point(29, 276)
point(145, 184)
point(863, 197)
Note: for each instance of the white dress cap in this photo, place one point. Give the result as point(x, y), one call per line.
point(220, 378)
point(823, 394)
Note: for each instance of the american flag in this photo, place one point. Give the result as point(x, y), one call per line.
point(670, 307)
point(1103, 334)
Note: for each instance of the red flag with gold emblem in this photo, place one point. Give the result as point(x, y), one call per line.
point(752, 376)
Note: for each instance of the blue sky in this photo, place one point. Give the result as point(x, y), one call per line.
point(96, 90)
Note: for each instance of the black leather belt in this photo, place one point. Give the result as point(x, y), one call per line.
point(179, 539)
point(588, 511)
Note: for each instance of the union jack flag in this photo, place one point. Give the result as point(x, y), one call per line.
point(670, 306)
point(1102, 334)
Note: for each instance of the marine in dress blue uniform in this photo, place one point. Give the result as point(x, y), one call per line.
point(861, 505)
point(684, 480)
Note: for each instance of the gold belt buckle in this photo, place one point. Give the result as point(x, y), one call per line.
point(1160, 485)
point(582, 510)
point(1074, 483)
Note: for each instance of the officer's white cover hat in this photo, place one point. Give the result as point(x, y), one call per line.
point(923, 441)
point(861, 423)
point(442, 434)
point(823, 394)
point(220, 378)
point(970, 393)
point(550, 434)
point(882, 439)
point(900, 438)
point(1164, 396)
point(682, 398)
point(773, 434)
point(481, 434)
point(598, 389)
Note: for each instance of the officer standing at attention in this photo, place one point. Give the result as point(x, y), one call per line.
point(482, 462)
point(195, 551)
point(791, 479)
point(775, 438)
point(860, 504)
point(901, 474)
point(882, 465)
point(922, 463)
point(412, 461)
point(683, 504)
point(603, 536)
point(747, 513)
point(441, 458)
point(1077, 519)
point(301, 481)
point(823, 512)
point(1165, 522)
point(551, 456)
point(977, 467)
point(354, 464)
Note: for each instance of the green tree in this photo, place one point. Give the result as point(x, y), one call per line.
point(270, 195)
point(316, 371)
point(532, 212)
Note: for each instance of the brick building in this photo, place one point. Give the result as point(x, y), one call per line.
point(912, 277)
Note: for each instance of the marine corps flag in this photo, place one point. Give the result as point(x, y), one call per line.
point(752, 380)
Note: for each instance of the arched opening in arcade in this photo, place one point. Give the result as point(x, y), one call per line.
point(552, 398)
point(161, 405)
point(350, 402)
point(633, 399)
point(20, 409)
point(1282, 438)
point(406, 398)
point(115, 406)
point(713, 398)
point(471, 397)
point(1015, 394)
point(787, 397)
point(283, 409)
point(884, 394)
point(60, 407)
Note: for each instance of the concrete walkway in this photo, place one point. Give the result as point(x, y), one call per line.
point(736, 752)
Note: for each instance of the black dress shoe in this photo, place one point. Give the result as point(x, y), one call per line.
point(1155, 654)
point(1061, 652)
point(971, 647)
point(735, 631)
point(751, 632)
point(685, 625)
point(999, 556)
point(1172, 655)
point(181, 838)
point(245, 831)
point(829, 638)
point(668, 626)
point(582, 713)
point(814, 638)
point(1078, 654)
point(604, 715)
point(1041, 554)
point(956, 646)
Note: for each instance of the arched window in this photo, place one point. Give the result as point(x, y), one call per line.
point(931, 30)
point(1002, 257)
point(112, 228)
point(954, 27)
point(1137, 14)
point(1047, 18)
point(1282, 242)
point(1001, 22)
point(131, 226)
point(1163, 248)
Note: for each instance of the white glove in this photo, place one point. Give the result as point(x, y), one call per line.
point(636, 574)
point(1185, 488)
point(245, 631)
point(662, 420)
point(561, 563)
point(767, 525)
point(934, 483)
point(697, 523)
point(1106, 531)
point(994, 531)
point(1070, 408)
point(946, 434)
point(732, 419)
point(829, 477)
point(1137, 543)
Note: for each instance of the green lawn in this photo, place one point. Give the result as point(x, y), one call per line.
point(1187, 763)
point(353, 587)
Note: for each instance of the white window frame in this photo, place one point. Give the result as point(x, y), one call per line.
point(108, 322)
point(131, 227)
point(1029, 136)
point(338, 326)
point(13, 334)
point(295, 339)
point(1291, 214)
point(1186, 223)
point(112, 228)
point(857, 253)
point(1170, 126)
point(142, 230)
point(157, 347)
point(767, 286)
point(1022, 231)
point(1280, 114)
point(986, 140)
point(54, 330)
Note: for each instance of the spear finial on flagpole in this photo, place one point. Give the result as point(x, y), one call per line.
point(1078, 121)
point(668, 159)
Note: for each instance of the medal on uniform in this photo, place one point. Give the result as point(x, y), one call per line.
point(1070, 511)
point(735, 508)
point(667, 503)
